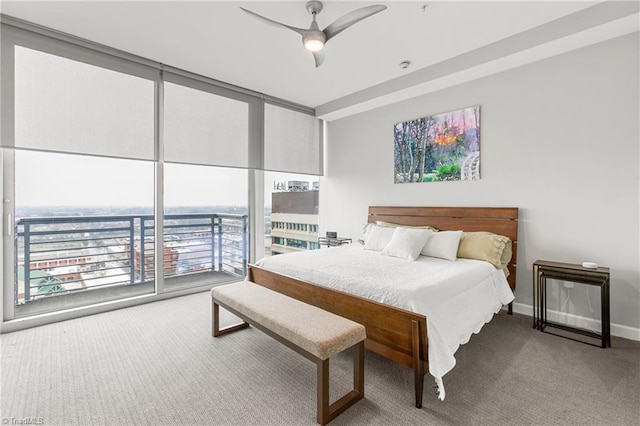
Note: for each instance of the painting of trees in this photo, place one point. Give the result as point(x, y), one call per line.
point(440, 147)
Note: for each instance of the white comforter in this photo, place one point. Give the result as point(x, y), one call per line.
point(457, 297)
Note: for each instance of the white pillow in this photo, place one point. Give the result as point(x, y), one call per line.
point(406, 243)
point(443, 244)
point(378, 238)
point(366, 230)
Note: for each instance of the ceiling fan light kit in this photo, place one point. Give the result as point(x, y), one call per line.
point(313, 43)
point(313, 38)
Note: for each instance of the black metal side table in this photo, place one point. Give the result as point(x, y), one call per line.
point(543, 269)
point(333, 242)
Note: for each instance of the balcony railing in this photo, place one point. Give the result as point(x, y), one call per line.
point(66, 254)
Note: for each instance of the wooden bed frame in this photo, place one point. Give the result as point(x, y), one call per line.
point(395, 333)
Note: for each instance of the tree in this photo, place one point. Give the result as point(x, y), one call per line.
point(399, 153)
point(423, 140)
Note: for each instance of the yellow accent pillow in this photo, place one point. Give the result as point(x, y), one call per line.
point(506, 272)
point(493, 248)
point(396, 225)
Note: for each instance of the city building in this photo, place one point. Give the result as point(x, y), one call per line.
point(294, 218)
point(145, 267)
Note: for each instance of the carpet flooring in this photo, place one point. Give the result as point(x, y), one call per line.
point(157, 364)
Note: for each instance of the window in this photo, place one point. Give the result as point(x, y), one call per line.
point(99, 145)
point(205, 206)
point(205, 225)
point(75, 236)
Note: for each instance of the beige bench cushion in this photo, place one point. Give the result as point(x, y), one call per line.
point(320, 333)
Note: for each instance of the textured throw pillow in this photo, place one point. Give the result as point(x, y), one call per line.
point(378, 238)
point(493, 248)
point(396, 225)
point(443, 244)
point(406, 243)
point(506, 254)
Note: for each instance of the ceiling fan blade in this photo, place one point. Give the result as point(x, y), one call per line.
point(271, 22)
point(344, 22)
point(318, 56)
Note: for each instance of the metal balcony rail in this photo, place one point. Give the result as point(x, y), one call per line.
point(56, 255)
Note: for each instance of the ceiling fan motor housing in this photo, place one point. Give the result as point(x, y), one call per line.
point(314, 7)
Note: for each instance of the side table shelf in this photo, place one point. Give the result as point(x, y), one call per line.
point(543, 269)
point(333, 242)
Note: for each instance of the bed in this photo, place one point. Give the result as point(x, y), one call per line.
point(394, 330)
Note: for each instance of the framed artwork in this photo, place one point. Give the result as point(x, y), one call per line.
point(441, 147)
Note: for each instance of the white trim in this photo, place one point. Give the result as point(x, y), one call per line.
point(617, 330)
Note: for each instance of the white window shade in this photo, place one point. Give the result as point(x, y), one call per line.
point(204, 128)
point(64, 105)
point(291, 141)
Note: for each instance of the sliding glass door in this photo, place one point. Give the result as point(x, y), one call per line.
point(78, 223)
point(79, 180)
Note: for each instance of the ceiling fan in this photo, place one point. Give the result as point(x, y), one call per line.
point(314, 39)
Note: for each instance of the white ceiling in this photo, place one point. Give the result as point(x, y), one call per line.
point(216, 39)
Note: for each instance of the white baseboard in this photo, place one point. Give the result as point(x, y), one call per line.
point(618, 330)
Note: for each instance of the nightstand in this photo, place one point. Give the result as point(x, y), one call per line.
point(333, 242)
point(543, 269)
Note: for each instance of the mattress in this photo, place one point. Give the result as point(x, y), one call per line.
point(457, 297)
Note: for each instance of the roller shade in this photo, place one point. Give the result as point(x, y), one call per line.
point(69, 106)
point(204, 128)
point(292, 141)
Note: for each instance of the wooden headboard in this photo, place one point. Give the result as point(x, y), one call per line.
point(499, 220)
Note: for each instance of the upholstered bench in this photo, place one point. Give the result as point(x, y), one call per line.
point(310, 331)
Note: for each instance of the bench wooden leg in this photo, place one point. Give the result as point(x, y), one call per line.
point(323, 391)
point(216, 323)
point(358, 368)
point(327, 412)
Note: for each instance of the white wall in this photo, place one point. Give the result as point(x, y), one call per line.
point(559, 140)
